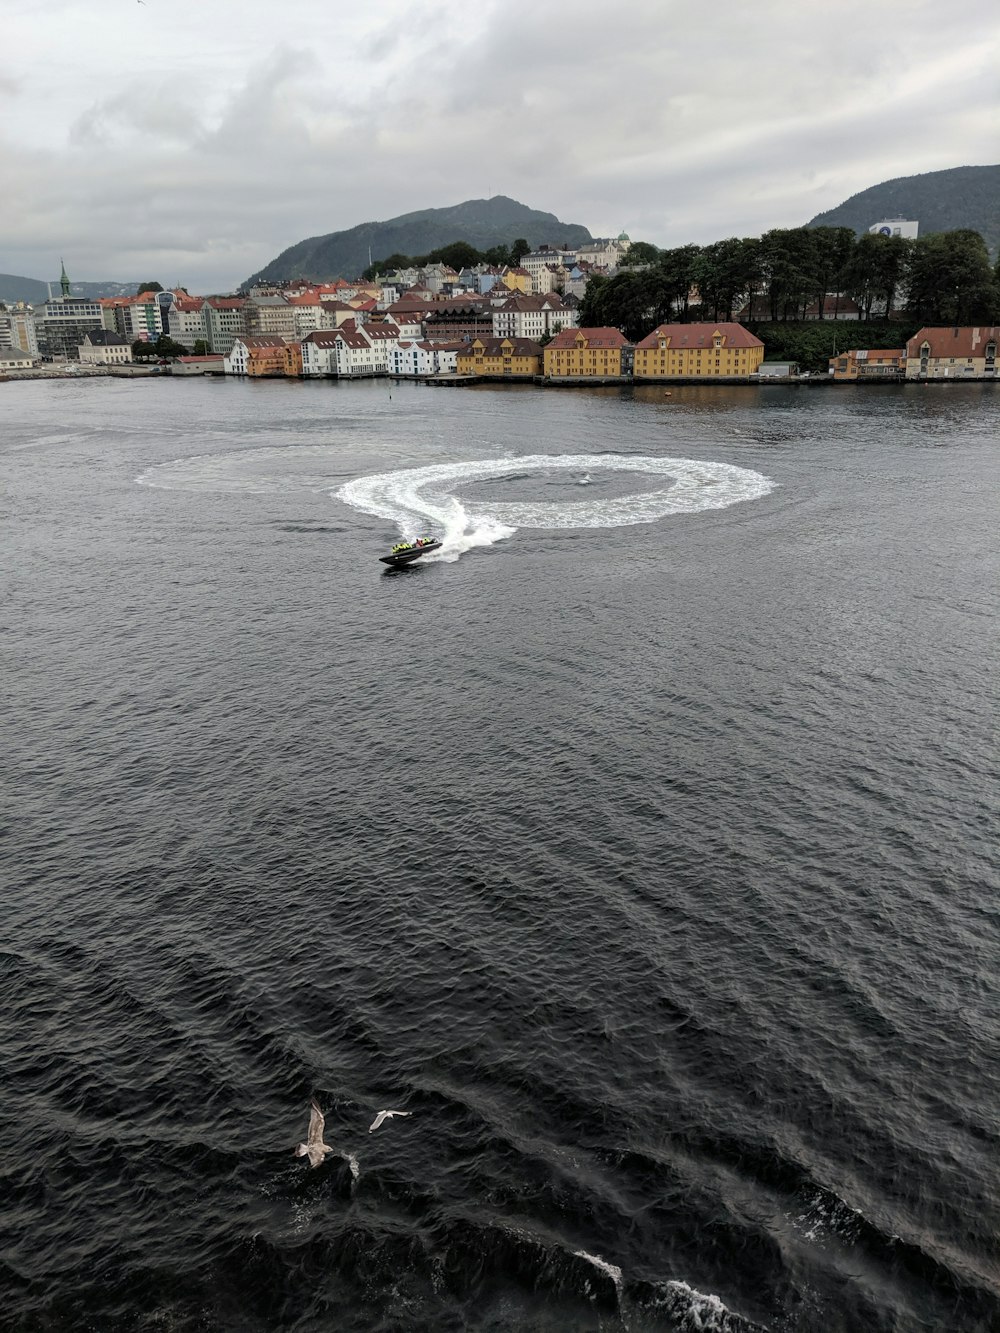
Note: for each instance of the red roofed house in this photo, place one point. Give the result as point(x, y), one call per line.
point(584, 353)
point(695, 351)
point(953, 353)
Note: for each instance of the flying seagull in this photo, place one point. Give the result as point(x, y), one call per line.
point(314, 1148)
point(384, 1115)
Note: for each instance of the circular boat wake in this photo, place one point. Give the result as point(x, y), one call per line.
point(417, 498)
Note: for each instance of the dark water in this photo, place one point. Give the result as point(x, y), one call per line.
point(652, 868)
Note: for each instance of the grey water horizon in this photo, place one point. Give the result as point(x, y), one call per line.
point(649, 865)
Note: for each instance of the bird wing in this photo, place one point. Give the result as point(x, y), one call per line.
point(377, 1121)
point(316, 1123)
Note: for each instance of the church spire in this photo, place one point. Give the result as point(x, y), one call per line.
point(63, 280)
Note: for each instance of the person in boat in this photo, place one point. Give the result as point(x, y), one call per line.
point(400, 546)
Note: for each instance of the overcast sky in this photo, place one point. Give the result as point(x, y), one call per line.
point(190, 141)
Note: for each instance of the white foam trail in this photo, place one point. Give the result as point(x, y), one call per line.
point(609, 1270)
point(354, 1164)
point(413, 498)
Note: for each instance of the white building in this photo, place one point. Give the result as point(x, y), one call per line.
point(13, 358)
point(186, 320)
point(422, 358)
point(895, 227)
point(104, 348)
point(319, 353)
point(347, 352)
point(532, 317)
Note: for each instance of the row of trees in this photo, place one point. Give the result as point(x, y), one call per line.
point(944, 278)
point(457, 255)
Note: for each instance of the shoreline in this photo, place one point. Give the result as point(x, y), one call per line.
point(468, 381)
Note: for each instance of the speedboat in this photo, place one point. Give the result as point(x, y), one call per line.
point(404, 553)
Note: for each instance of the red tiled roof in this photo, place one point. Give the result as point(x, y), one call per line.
point(495, 347)
point(684, 337)
point(594, 338)
point(968, 340)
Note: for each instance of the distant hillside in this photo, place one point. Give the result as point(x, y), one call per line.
point(13, 288)
point(481, 222)
point(938, 200)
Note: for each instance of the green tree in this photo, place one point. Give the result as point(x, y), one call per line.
point(678, 269)
point(166, 346)
point(789, 266)
point(457, 255)
point(591, 309)
point(720, 271)
point(638, 254)
point(875, 271)
point(950, 280)
point(518, 250)
point(634, 301)
point(148, 287)
point(832, 250)
point(200, 347)
point(143, 351)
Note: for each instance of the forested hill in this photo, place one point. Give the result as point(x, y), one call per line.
point(962, 197)
point(484, 223)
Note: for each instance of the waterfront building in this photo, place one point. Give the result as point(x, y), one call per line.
point(585, 354)
point(869, 363)
point(383, 338)
point(423, 358)
point(319, 353)
point(353, 354)
point(102, 347)
point(501, 358)
point(198, 365)
point(954, 352)
point(15, 358)
point(271, 361)
point(237, 359)
point(711, 351)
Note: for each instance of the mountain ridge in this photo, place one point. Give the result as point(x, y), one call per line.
point(481, 222)
point(948, 200)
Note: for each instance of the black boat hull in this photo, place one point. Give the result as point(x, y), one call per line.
point(400, 558)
